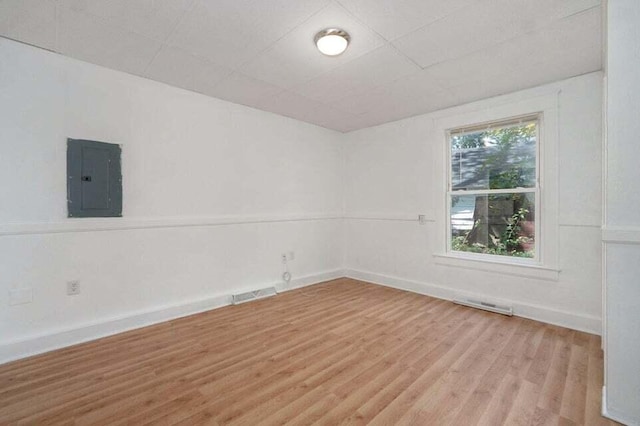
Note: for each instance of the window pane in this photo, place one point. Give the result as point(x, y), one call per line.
point(502, 158)
point(500, 224)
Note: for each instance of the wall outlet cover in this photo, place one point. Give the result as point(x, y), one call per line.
point(73, 288)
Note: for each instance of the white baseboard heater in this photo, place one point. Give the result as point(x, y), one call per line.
point(253, 295)
point(491, 307)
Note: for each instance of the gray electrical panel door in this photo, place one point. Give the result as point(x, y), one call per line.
point(94, 179)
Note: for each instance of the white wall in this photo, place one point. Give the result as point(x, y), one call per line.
point(215, 192)
point(193, 166)
point(621, 235)
point(394, 172)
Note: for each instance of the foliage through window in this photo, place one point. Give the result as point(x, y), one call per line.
point(493, 191)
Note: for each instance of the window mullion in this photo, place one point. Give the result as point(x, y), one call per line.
point(491, 191)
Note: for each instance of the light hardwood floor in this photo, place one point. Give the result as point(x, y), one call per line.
point(338, 352)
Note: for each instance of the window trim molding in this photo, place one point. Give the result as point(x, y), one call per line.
point(546, 107)
point(505, 266)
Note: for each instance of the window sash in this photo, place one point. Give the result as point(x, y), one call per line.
point(493, 125)
point(500, 124)
point(517, 190)
point(536, 192)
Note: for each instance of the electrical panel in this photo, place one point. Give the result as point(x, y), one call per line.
point(94, 179)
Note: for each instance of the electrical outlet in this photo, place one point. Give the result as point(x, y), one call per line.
point(73, 288)
point(20, 296)
point(284, 257)
point(422, 219)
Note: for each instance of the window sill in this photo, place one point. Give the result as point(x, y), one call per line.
point(526, 270)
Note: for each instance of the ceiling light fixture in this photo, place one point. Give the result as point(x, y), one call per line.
point(332, 41)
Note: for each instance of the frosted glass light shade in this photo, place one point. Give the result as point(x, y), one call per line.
point(332, 42)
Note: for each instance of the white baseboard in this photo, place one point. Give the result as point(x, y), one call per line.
point(62, 338)
point(310, 280)
point(613, 415)
point(571, 320)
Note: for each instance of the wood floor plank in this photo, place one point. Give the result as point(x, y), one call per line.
point(574, 401)
point(432, 366)
point(542, 359)
point(370, 409)
point(443, 401)
point(553, 387)
point(523, 410)
point(490, 382)
point(502, 399)
point(340, 352)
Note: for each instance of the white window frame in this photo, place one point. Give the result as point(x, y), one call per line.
point(545, 264)
point(478, 127)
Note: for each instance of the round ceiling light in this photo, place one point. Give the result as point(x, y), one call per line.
point(332, 41)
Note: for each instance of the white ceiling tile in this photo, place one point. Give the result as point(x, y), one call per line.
point(485, 24)
point(30, 21)
point(295, 106)
point(281, 67)
point(415, 84)
point(433, 102)
point(233, 31)
point(395, 18)
point(400, 108)
point(333, 118)
point(550, 10)
point(282, 16)
point(550, 71)
point(245, 90)
point(488, 87)
point(415, 105)
point(570, 47)
point(474, 66)
point(87, 38)
point(179, 68)
point(569, 7)
point(294, 59)
point(409, 90)
point(367, 72)
point(151, 18)
point(351, 122)
point(364, 103)
point(291, 105)
point(472, 29)
point(221, 32)
point(416, 91)
point(574, 38)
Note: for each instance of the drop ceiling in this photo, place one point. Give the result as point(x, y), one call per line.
point(406, 57)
